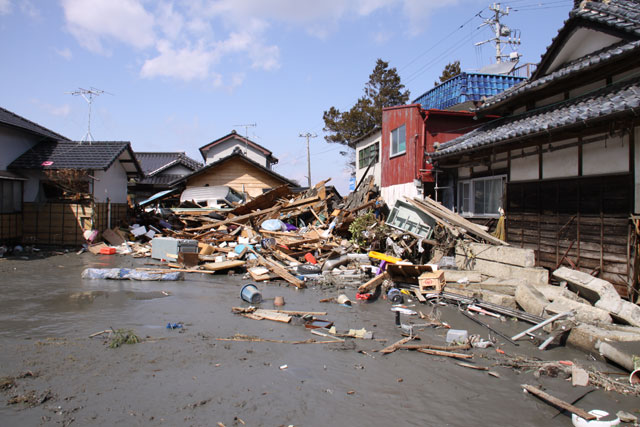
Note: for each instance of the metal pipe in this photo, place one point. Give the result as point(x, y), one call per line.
point(541, 324)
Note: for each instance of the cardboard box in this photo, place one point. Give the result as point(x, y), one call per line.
point(430, 281)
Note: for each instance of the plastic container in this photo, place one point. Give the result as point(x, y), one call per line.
point(384, 257)
point(251, 294)
point(598, 422)
point(457, 336)
point(395, 296)
point(107, 251)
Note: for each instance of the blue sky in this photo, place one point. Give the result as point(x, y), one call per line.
point(180, 74)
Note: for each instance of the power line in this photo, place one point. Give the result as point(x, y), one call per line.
point(307, 136)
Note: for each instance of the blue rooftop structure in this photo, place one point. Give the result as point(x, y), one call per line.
point(466, 87)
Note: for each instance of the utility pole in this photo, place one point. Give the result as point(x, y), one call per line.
point(88, 95)
point(501, 32)
point(246, 136)
point(308, 135)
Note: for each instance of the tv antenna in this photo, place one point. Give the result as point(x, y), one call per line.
point(88, 95)
point(503, 34)
point(246, 135)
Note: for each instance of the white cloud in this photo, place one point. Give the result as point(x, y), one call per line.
point(96, 21)
point(185, 63)
point(65, 53)
point(5, 7)
point(29, 9)
point(55, 110)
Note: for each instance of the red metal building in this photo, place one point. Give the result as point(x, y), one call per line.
point(408, 132)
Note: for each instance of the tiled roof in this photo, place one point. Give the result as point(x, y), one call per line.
point(163, 179)
point(620, 15)
point(12, 119)
point(239, 154)
point(624, 15)
point(236, 135)
point(71, 155)
point(602, 104)
point(153, 163)
point(619, 51)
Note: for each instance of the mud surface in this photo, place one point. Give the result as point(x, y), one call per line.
point(59, 376)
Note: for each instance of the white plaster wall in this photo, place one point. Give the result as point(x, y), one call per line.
point(376, 169)
point(503, 164)
point(226, 148)
point(582, 42)
point(464, 172)
point(524, 168)
point(636, 177)
point(31, 185)
point(111, 184)
point(13, 144)
point(477, 169)
point(560, 163)
point(399, 191)
point(608, 156)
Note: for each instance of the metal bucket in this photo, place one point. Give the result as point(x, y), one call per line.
point(251, 294)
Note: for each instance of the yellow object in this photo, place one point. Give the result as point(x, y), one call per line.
point(500, 231)
point(383, 257)
point(404, 291)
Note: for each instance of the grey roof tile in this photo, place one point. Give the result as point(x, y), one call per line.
point(155, 162)
point(71, 155)
point(609, 101)
point(12, 119)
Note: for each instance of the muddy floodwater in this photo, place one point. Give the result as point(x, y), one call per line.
point(186, 376)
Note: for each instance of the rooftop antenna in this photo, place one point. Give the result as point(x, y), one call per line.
point(246, 135)
point(503, 34)
point(88, 95)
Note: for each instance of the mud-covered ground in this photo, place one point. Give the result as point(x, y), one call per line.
point(54, 374)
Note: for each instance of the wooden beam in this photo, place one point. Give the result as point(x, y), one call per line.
point(558, 403)
point(373, 283)
point(280, 271)
point(445, 353)
point(234, 219)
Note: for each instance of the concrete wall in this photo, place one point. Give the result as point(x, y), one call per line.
point(376, 169)
point(225, 148)
point(394, 192)
point(111, 184)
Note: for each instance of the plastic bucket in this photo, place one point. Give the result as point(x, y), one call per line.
point(251, 294)
point(395, 296)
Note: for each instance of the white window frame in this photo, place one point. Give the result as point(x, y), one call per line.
point(470, 200)
point(393, 144)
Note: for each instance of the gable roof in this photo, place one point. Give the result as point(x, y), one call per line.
point(153, 163)
point(235, 135)
point(602, 105)
point(77, 155)
point(12, 119)
point(236, 154)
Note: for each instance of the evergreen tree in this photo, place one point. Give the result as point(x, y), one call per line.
point(452, 69)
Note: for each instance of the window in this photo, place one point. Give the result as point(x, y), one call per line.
point(367, 154)
point(398, 140)
point(10, 196)
point(481, 196)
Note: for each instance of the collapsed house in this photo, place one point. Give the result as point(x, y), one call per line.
point(562, 159)
point(160, 170)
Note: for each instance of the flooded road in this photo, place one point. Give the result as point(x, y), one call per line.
point(188, 377)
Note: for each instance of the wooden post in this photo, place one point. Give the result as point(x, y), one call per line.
point(557, 402)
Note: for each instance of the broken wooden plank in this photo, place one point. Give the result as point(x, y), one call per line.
point(438, 211)
point(280, 271)
point(373, 283)
point(445, 353)
point(558, 402)
point(434, 347)
point(419, 295)
point(224, 265)
point(393, 347)
point(234, 219)
point(272, 315)
point(302, 313)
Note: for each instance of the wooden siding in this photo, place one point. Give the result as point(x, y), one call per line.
point(587, 219)
point(10, 226)
point(63, 223)
point(402, 168)
point(239, 175)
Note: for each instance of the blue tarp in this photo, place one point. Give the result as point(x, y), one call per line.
point(157, 196)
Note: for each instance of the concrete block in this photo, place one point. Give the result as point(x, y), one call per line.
point(621, 353)
point(552, 292)
point(499, 298)
point(629, 313)
point(588, 337)
point(503, 254)
point(535, 276)
point(583, 312)
point(455, 275)
point(502, 288)
point(531, 299)
point(587, 286)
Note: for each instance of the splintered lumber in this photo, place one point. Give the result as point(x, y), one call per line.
point(439, 212)
point(234, 219)
point(373, 283)
point(224, 265)
point(263, 201)
point(272, 315)
point(280, 271)
point(558, 403)
point(302, 313)
point(470, 366)
point(393, 347)
point(445, 353)
point(434, 347)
